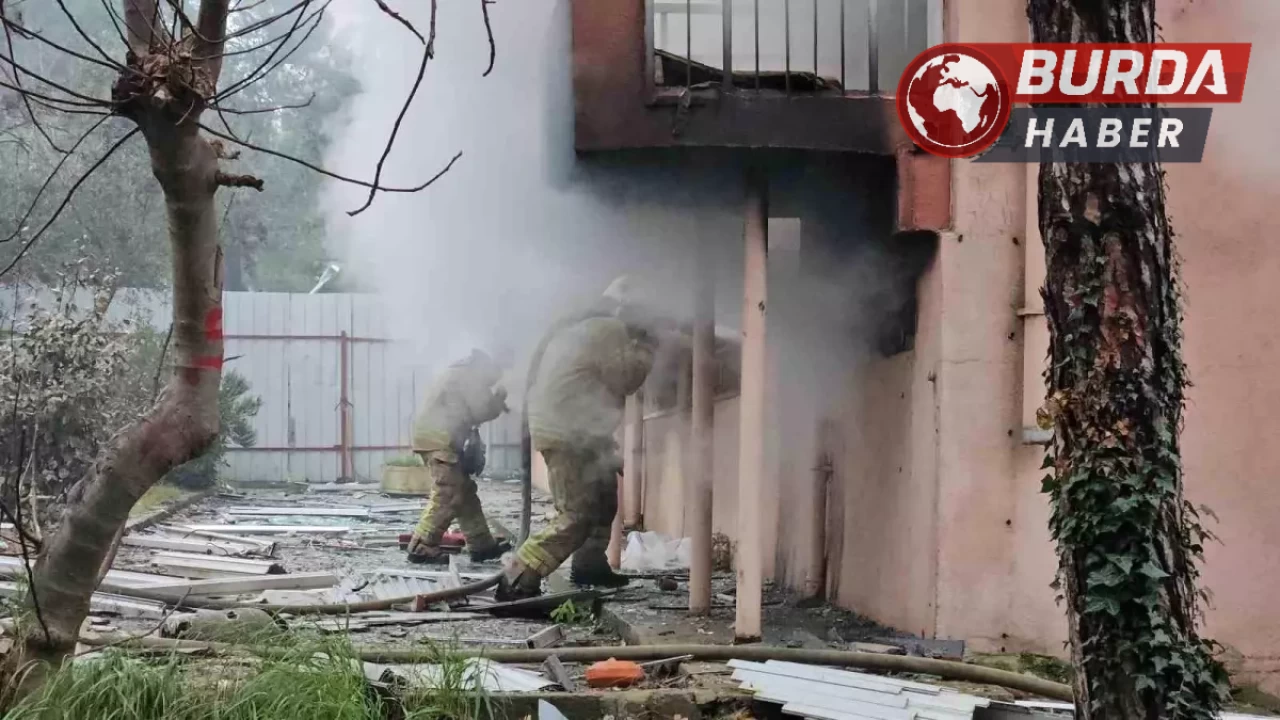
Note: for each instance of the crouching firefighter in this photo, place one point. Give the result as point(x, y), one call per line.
point(589, 365)
point(446, 436)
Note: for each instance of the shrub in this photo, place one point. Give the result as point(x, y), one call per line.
point(236, 410)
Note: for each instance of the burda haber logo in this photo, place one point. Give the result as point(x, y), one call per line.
point(958, 101)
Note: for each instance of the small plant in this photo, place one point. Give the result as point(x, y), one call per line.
point(570, 614)
point(409, 460)
point(236, 410)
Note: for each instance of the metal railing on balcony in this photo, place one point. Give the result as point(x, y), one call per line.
point(844, 46)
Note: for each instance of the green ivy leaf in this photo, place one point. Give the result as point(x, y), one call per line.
point(1152, 571)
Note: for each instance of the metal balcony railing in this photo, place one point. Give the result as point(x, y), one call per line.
point(855, 47)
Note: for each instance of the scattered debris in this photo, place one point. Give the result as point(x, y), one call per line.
point(826, 694)
point(231, 586)
point(555, 669)
point(877, 648)
point(14, 567)
point(272, 529)
point(553, 636)
point(215, 625)
point(193, 565)
point(654, 551)
point(922, 647)
point(478, 672)
point(300, 511)
point(667, 584)
point(664, 668)
point(215, 548)
point(547, 711)
point(268, 546)
point(613, 673)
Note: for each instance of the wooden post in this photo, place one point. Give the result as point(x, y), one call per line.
point(701, 483)
point(632, 498)
point(751, 408)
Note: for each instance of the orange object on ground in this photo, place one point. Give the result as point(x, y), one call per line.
point(614, 673)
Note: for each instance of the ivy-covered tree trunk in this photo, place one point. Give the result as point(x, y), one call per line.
point(1128, 541)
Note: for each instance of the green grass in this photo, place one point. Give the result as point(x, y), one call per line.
point(156, 497)
point(308, 678)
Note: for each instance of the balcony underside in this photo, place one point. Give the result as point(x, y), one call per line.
point(741, 119)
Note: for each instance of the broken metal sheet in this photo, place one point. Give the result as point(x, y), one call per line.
point(478, 673)
point(547, 637)
point(235, 586)
point(273, 529)
point(221, 548)
point(324, 596)
point(351, 512)
point(203, 566)
point(268, 545)
point(106, 603)
point(14, 567)
point(403, 507)
point(387, 587)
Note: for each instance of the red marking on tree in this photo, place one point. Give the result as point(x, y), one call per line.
point(207, 362)
point(213, 326)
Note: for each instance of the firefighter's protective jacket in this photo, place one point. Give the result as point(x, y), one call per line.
point(588, 370)
point(460, 400)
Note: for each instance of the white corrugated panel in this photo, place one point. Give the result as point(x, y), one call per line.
point(831, 694)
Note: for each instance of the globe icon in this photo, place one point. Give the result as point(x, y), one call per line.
point(954, 101)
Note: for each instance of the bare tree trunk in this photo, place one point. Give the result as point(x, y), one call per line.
point(185, 419)
point(1127, 539)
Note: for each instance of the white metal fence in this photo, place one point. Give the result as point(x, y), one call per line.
point(338, 391)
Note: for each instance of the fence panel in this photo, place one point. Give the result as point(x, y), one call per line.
point(338, 392)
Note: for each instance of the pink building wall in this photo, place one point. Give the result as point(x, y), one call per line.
point(936, 523)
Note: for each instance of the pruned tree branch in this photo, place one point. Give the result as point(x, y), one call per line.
point(224, 179)
point(388, 11)
point(259, 111)
point(488, 28)
point(329, 173)
point(428, 52)
point(142, 22)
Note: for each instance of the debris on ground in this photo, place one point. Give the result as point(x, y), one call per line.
point(613, 673)
point(826, 694)
point(263, 553)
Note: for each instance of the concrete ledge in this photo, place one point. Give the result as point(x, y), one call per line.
point(641, 626)
point(161, 514)
point(621, 704)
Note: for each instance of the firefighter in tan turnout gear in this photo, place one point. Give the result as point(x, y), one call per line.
point(446, 437)
point(589, 367)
